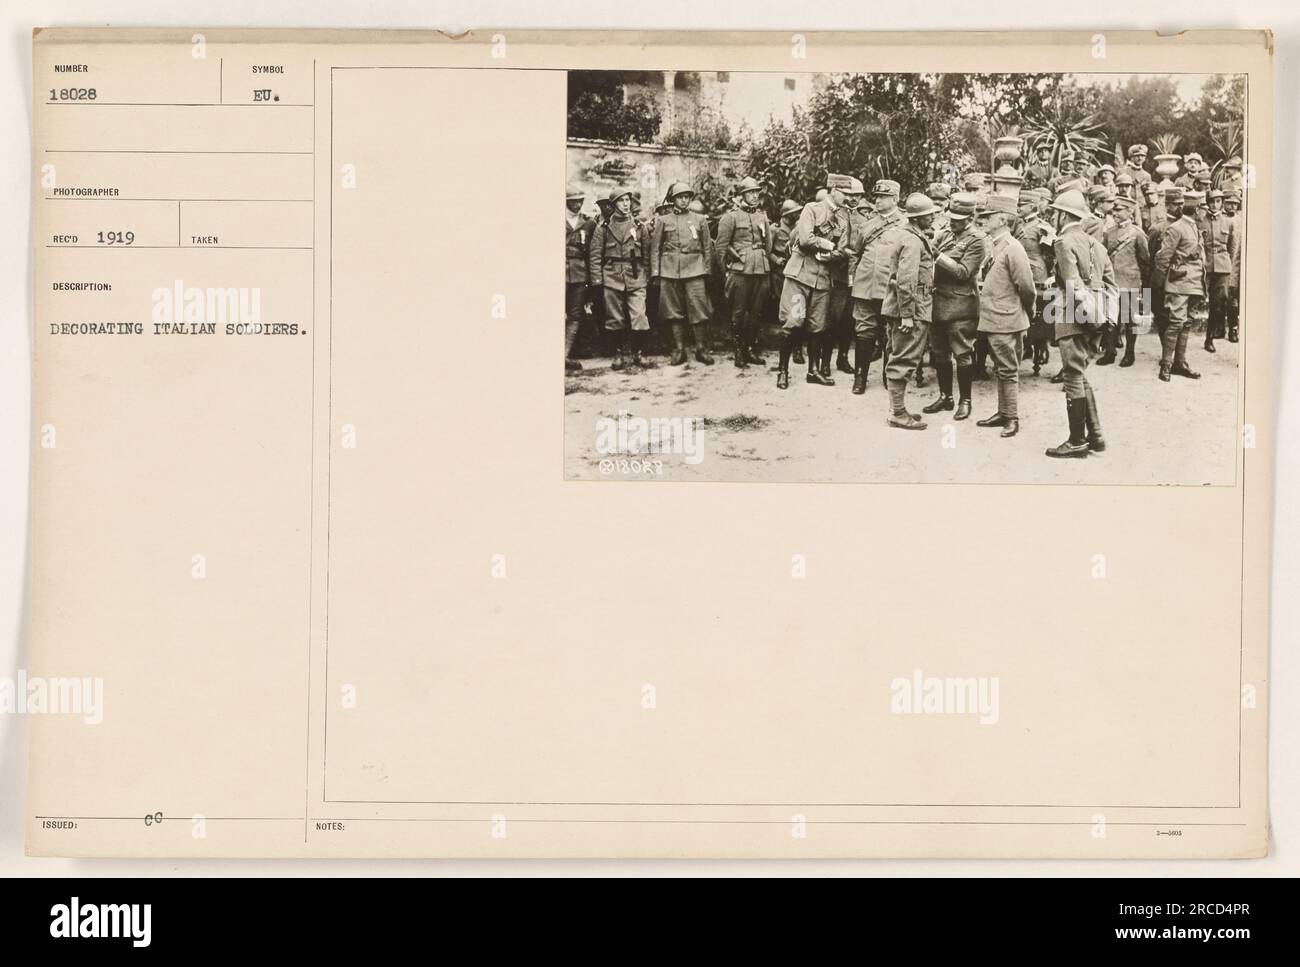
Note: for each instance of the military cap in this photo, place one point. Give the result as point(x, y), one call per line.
point(842, 182)
point(575, 194)
point(918, 205)
point(1189, 157)
point(999, 203)
point(1136, 149)
point(1067, 155)
point(1127, 203)
point(938, 190)
point(678, 188)
point(1233, 162)
point(790, 205)
point(1097, 193)
point(1232, 195)
point(885, 186)
point(1071, 202)
point(973, 181)
point(1174, 195)
point(854, 187)
point(1151, 187)
point(1203, 176)
point(1216, 193)
point(1193, 197)
point(749, 184)
point(1124, 178)
point(963, 204)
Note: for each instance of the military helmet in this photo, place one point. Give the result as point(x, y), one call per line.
point(788, 206)
point(1071, 202)
point(1216, 193)
point(854, 187)
point(679, 188)
point(918, 205)
point(1124, 178)
point(616, 193)
point(749, 184)
point(575, 194)
point(938, 190)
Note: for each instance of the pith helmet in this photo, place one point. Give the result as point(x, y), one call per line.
point(918, 205)
point(1071, 202)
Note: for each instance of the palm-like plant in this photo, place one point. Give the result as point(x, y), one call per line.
point(1063, 125)
point(1166, 143)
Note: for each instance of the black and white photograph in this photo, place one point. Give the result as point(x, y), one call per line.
point(905, 278)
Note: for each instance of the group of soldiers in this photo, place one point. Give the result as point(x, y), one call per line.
point(1078, 255)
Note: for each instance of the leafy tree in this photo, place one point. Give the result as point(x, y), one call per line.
point(597, 108)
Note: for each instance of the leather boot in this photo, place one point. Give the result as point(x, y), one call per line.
point(1092, 422)
point(1232, 334)
point(739, 357)
point(942, 372)
point(623, 353)
point(964, 376)
point(862, 357)
point(571, 365)
point(1108, 346)
point(898, 415)
point(827, 344)
point(798, 349)
point(702, 345)
point(818, 361)
point(1180, 367)
point(1130, 344)
point(1209, 338)
point(842, 353)
point(1077, 444)
point(679, 344)
point(981, 356)
point(751, 347)
point(920, 374)
point(783, 365)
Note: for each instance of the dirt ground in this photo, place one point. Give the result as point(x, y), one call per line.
point(1181, 432)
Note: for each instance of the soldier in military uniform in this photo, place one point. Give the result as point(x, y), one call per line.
point(1232, 209)
point(1075, 318)
point(743, 248)
point(1179, 269)
point(1130, 254)
point(781, 233)
point(907, 306)
point(1220, 254)
point(1136, 167)
point(578, 231)
point(1154, 214)
point(807, 284)
point(1066, 173)
point(940, 194)
point(1191, 167)
point(681, 253)
point(617, 263)
point(1035, 237)
point(1040, 173)
point(839, 309)
point(1125, 186)
point(959, 251)
point(871, 278)
point(1007, 295)
point(1101, 203)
